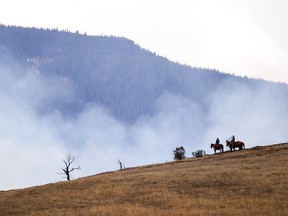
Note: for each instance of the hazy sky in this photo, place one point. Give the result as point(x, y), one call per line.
point(245, 37)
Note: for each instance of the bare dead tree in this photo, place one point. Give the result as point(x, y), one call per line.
point(122, 166)
point(68, 166)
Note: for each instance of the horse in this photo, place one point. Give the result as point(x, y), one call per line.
point(217, 147)
point(238, 144)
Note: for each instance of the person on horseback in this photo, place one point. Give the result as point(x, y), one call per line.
point(217, 141)
point(233, 140)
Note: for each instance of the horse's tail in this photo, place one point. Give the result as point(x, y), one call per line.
point(243, 145)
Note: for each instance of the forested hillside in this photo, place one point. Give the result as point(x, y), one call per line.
point(111, 71)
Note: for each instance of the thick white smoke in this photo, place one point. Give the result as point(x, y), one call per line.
point(33, 143)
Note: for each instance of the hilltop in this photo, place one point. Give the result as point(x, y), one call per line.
point(247, 182)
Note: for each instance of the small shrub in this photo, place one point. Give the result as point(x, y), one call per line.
point(179, 153)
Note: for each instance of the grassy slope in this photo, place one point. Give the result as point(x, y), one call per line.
point(248, 182)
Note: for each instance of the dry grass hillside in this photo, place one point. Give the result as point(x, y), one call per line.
point(247, 182)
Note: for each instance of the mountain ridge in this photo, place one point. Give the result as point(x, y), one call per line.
point(100, 68)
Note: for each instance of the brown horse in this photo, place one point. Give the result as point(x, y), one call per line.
point(217, 147)
point(238, 144)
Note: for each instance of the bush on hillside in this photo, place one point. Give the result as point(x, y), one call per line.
point(179, 153)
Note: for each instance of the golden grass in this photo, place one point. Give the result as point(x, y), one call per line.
point(248, 182)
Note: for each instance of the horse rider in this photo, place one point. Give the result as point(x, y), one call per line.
point(217, 141)
point(233, 140)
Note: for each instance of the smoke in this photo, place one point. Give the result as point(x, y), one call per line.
point(34, 138)
point(256, 115)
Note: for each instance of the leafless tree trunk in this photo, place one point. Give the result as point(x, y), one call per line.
point(122, 166)
point(68, 166)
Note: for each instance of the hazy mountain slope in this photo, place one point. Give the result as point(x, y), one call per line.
point(105, 98)
point(113, 72)
point(248, 182)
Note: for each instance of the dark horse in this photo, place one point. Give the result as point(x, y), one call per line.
point(217, 147)
point(238, 144)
